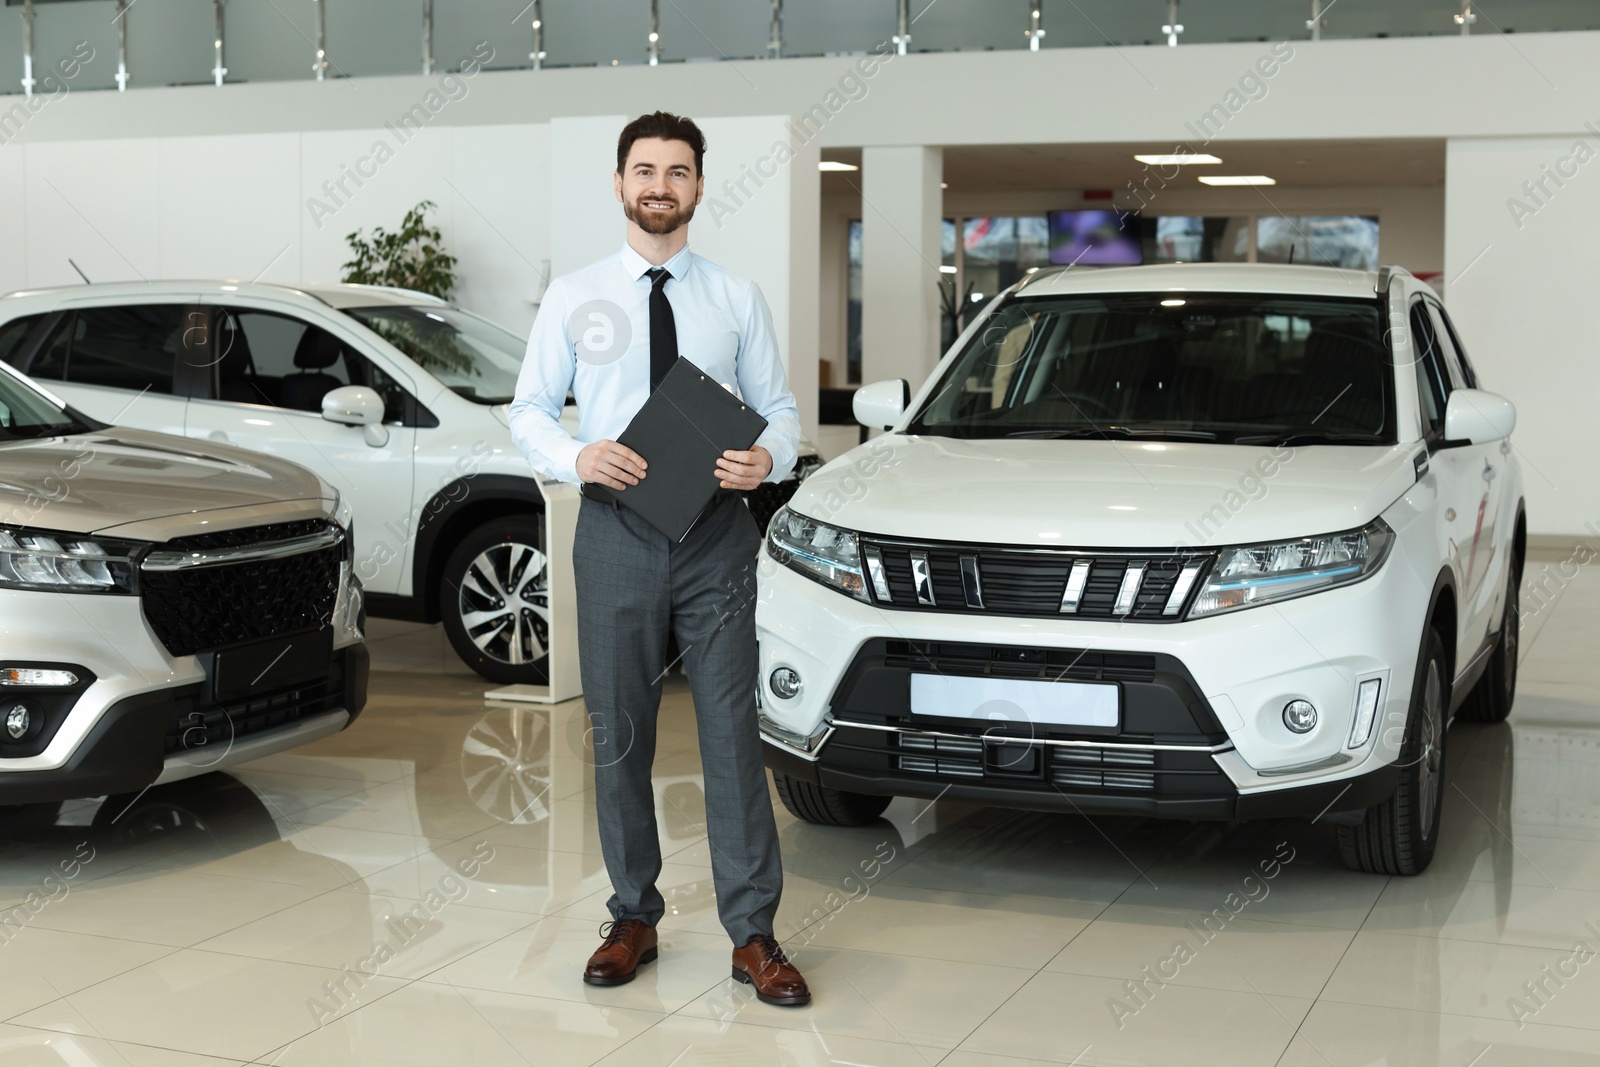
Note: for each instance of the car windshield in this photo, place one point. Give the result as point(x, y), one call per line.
point(27, 413)
point(470, 356)
point(1237, 368)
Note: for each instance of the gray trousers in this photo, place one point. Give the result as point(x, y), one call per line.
point(633, 584)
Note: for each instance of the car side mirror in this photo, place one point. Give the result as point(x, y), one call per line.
point(352, 405)
point(879, 406)
point(1477, 416)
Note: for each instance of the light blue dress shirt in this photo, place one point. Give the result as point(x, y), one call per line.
point(592, 335)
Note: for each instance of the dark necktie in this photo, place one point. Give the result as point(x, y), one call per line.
point(663, 328)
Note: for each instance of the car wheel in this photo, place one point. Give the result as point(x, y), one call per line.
point(827, 807)
point(495, 599)
point(1399, 835)
point(1491, 699)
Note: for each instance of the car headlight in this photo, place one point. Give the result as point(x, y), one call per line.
point(65, 563)
point(1248, 575)
point(817, 550)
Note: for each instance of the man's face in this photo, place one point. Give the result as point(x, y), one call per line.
point(659, 187)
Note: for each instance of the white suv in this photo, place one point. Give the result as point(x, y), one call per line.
point(397, 398)
point(1196, 541)
point(170, 607)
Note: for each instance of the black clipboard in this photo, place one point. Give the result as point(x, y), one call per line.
point(681, 432)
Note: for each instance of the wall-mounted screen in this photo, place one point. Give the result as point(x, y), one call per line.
point(1095, 238)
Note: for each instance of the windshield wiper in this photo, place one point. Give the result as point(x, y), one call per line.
point(1306, 437)
point(1121, 433)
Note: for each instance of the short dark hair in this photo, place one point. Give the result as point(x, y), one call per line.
point(667, 127)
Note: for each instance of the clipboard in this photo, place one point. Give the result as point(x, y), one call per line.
point(681, 431)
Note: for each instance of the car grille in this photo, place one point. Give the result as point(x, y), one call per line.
point(199, 608)
point(215, 727)
point(991, 580)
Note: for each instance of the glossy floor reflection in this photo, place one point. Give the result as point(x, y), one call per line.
point(424, 889)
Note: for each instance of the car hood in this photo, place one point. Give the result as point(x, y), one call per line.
point(1103, 494)
point(117, 479)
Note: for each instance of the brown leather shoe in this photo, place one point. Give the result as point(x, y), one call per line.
point(761, 963)
point(628, 943)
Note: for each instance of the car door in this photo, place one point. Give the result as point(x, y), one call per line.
point(1463, 488)
point(1486, 561)
point(120, 364)
point(269, 374)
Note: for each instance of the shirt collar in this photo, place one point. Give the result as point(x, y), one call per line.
point(636, 265)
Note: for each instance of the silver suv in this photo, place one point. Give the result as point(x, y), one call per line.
point(173, 608)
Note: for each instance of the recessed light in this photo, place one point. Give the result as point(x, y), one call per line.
point(832, 164)
point(1179, 158)
point(1236, 179)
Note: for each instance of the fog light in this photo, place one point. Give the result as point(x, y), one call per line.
point(1299, 716)
point(1366, 711)
point(18, 719)
point(34, 676)
point(785, 682)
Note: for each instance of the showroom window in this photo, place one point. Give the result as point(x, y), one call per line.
point(133, 348)
point(282, 361)
point(1320, 240)
point(996, 251)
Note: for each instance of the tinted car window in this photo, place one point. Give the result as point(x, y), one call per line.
point(1447, 349)
point(1468, 375)
point(1432, 387)
point(127, 348)
point(13, 334)
point(266, 358)
point(134, 348)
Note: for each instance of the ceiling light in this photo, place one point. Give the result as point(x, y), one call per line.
point(1236, 179)
point(944, 185)
point(833, 164)
point(947, 269)
point(1173, 303)
point(1178, 158)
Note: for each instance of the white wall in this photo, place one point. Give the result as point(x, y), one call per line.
point(236, 206)
point(1524, 297)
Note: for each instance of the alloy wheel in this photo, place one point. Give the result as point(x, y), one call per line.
point(504, 603)
point(1431, 759)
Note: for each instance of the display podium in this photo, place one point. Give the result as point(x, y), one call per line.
point(561, 501)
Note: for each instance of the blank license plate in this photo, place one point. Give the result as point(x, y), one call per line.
point(1015, 700)
point(276, 663)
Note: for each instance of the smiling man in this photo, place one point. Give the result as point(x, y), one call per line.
point(610, 332)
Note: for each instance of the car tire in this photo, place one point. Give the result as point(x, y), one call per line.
point(1491, 699)
point(494, 596)
point(818, 804)
point(1399, 835)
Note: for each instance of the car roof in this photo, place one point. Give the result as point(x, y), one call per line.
point(1204, 277)
point(333, 294)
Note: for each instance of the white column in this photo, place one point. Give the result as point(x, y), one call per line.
point(901, 211)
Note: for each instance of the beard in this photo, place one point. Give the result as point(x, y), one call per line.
point(656, 222)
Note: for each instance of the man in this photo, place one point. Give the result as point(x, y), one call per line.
point(609, 332)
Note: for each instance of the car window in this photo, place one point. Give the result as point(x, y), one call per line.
point(13, 334)
point(1447, 349)
point(282, 361)
point(1226, 367)
point(134, 348)
point(1432, 387)
point(1469, 376)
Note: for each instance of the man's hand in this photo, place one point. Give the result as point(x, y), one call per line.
point(744, 470)
point(612, 465)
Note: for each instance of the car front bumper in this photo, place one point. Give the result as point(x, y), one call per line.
point(142, 716)
point(1200, 732)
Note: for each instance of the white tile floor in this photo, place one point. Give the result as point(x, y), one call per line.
point(311, 909)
